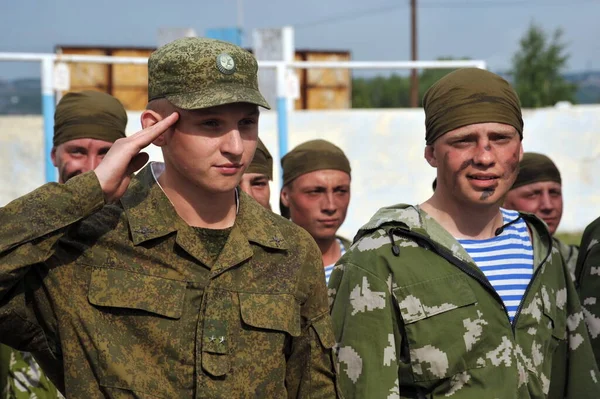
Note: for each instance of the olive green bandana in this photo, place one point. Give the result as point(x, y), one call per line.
point(535, 168)
point(262, 162)
point(89, 115)
point(468, 96)
point(311, 156)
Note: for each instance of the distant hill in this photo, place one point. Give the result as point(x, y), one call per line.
point(23, 96)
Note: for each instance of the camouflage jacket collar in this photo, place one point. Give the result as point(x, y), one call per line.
point(150, 215)
point(413, 218)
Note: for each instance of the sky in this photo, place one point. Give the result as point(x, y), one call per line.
point(375, 30)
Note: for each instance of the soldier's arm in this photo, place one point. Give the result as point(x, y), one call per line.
point(364, 323)
point(32, 224)
point(588, 276)
point(310, 369)
point(582, 372)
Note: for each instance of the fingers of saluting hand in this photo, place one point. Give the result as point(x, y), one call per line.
point(143, 138)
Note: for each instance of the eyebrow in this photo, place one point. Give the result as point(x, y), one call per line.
point(211, 112)
point(259, 178)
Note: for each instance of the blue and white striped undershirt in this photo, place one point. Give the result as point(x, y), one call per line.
point(329, 268)
point(506, 260)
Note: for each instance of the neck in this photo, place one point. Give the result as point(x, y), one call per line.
point(464, 221)
point(330, 250)
point(197, 207)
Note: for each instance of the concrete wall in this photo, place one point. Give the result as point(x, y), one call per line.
point(385, 148)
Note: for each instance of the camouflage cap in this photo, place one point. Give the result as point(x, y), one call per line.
point(262, 162)
point(195, 73)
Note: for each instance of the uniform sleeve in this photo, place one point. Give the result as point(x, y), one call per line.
point(310, 367)
point(582, 371)
point(588, 278)
point(31, 227)
point(364, 323)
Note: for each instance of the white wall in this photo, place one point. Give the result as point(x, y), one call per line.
point(385, 148)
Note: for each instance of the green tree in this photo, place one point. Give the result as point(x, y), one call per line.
point(393, 91)
point(537, 68)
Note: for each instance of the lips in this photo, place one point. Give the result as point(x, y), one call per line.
point(483, 180)
point(229, 168)
point(328, 222)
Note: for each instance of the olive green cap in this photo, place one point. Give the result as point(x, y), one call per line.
point(89, 115)
point(311, 156)
point(262, 162)
point(468, 96)
point(194, 73)
point(535, 168)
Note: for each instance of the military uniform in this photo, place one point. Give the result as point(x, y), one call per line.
point(122, 301)
point(569, 254)
point(414, 317)
point(22, 377)
point(587, 275)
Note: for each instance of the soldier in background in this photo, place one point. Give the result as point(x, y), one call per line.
point(177, 285)
point(255, 180)
point(316, 195)
point(538, 190)
point(454, 297)
point(86, 124)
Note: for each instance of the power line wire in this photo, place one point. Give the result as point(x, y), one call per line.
point(349, 16)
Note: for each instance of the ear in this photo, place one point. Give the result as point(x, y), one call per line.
point(150, 118)
point(430, 156)
point(285, 196)
point(521, 152)
point(53, 156)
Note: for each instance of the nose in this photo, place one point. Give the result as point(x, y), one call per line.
point(233, 143)
point(328, 204)
point(483, 155)
point(546, 202)
point(90, 163)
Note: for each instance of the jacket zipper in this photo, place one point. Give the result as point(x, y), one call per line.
point(518, 312)
point(463, 266)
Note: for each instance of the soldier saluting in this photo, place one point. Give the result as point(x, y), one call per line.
point(175, 284)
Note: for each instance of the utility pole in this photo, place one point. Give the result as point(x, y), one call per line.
point(414, 78)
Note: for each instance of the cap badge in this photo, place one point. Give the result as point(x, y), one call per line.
point(225, 64)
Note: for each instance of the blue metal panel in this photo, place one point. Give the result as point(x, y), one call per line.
point(282, 128)
point(48, 113)
point(231, 35)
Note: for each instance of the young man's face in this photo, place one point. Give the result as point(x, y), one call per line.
point(78, 156)
point(318, 201)
point(256, 185)
point(477, 164)
point(544, 199)
point(211, 148)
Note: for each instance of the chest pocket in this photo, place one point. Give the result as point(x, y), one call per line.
point(143, 340)
point(443, 327)
point(245, 342)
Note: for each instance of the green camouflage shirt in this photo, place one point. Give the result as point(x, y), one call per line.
point(122, 301)
point(569, 254)
point(414, 317)
point(587, 275)
point(22, 378)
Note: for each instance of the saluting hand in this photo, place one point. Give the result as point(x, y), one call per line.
point(124, 158)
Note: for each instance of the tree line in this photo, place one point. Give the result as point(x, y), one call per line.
point(536, 75)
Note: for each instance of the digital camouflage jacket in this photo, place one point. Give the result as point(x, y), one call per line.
point(588, 282)
point(414, 317)
point(119, 301)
